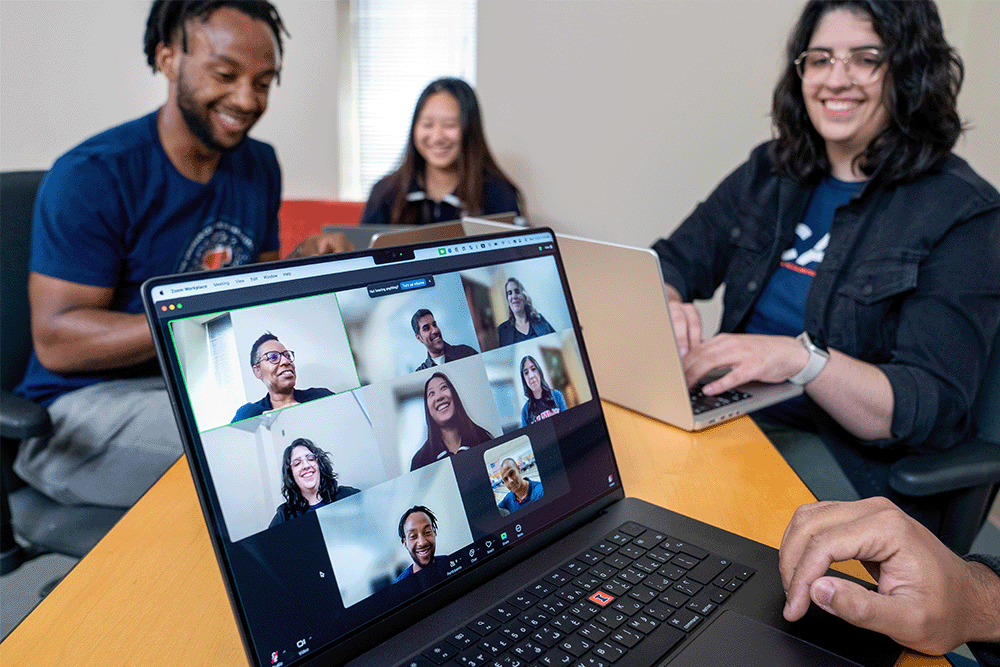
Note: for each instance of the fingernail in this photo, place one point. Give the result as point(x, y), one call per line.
point(822, 593)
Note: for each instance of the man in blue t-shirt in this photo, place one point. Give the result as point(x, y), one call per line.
point(521, 491)
point(181, 189)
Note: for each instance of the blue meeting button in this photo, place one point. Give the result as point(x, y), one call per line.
point(413, 284)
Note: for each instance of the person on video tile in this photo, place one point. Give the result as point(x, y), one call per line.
point(425, 328)
point(308, 481)
point(543, 401)
point(524, 321)
point(274, 365)
point(521, 491)
point(418, 533)
point(449, 427)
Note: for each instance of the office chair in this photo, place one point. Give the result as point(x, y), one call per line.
point(967, 477)
point(40, 524)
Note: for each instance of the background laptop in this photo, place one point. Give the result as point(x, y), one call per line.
point(652, 382)
point(577, 575)
point(361, 235)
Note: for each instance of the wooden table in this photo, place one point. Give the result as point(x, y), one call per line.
point(150, 593)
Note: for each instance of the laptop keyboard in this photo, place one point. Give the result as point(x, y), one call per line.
point(594, 609)
point(701, 403)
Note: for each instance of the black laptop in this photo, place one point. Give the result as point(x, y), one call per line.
point(374, 502)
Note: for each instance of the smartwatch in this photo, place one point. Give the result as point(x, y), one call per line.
point(818, 356)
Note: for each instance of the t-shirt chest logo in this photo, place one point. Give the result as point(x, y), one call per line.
point(218, 244)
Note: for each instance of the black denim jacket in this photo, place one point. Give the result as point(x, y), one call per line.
point(910, 281)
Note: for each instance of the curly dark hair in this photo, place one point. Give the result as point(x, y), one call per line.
point(297, 504)
point(923, 77)
point(475, 161)
point(168, 16)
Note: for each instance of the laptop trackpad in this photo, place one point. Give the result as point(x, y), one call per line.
point(734, 639)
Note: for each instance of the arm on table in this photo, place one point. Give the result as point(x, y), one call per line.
point(74, 330)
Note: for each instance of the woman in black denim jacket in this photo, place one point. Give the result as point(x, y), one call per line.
point(899, 311)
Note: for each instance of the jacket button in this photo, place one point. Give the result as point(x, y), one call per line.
point(735, 234)
point(867, 289)
point(752, 286)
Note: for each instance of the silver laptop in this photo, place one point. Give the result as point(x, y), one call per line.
point(362, 235)
point(625, 317)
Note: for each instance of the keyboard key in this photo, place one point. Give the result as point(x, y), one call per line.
point(733, 585)
point(516, 630)
point(591, 661)
point(632, 528)
point(603, 571)
point(483, 625)
point(609, 652)
point(632, 575)
point(647, 565)
point(671, 572)
point(700, 606)
point(617, 587)
point(440, 652)
point(675, 598)
point(496, 644)
point(503, 612)
point(643, 623)
point(557, 578)
point(718, 596)
point(658, 610)
point(541, 589)
point(618, 561)
point(553, 605)
point(684, 561)
point(417, 661)
point(619, 537)
point(535, 618)
point(612, 618)
point(605, 548)
point(575, 645)
point(743, 572)
point(592, 558)
point(688, 587)
point(571, 593)
point(685, 620)
point(593, 631)
point(567, 623)
point(708, 569)
point(584, 610)
point(462, 639)
point(643, 594)
point(574, 567)
point(548, 636)
point(474, 657)
point(556, 658)
point(588, 582)
point(632, 551)
point(661, 555)
point(648, 540)
point(528, 650)
point(522, 601)
point(625, 637)
point(674, 544)
point(627, 606)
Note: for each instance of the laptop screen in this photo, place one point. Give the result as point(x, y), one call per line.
point(367, 429)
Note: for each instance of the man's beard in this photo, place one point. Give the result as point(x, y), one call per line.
point(197, 120)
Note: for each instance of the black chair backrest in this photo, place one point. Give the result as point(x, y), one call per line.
point(18, 190)
point(987, 408)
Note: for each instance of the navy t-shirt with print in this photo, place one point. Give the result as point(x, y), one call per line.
point(781, 308)
point(114, 211)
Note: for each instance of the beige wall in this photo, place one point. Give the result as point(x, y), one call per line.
point(616, 118)
point(71, 68)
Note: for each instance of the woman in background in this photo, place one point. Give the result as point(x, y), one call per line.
point(308, 481)
point(447, 170)
point(449, 427)
point(543, 401)
point(523, 321)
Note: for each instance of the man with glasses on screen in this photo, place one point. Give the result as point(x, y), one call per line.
point(274, 365)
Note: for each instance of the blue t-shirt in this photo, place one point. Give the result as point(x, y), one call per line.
point(510, 502)
point(781, 308)
point(114, 211)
